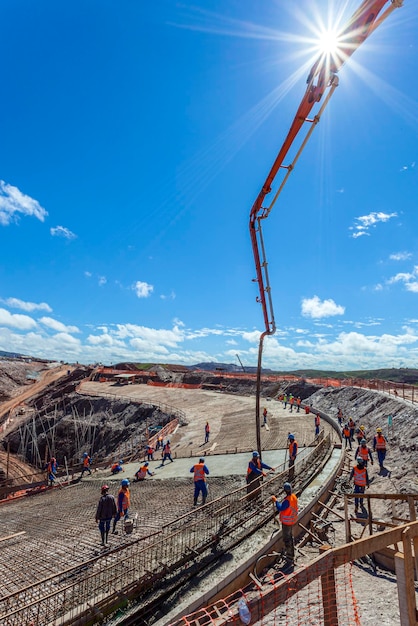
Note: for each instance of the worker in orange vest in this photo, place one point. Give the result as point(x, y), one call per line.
point(167, 452)
point(364, 452)
point(298, 403)
point(200, 472)
point(123, 503)
point(255, 473)
point(317, 421)
point(288, 513)
point(143, 471)
point(207, 432)
point(291, 402)
point(86, 464)
point(379, 446)
point(52, 471)
point(293, 452)
point(361, 480)
point(347, 435)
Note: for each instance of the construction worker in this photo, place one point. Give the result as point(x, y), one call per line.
point(200, 472)
point(351, 426)
point(317, 422)
point(52, 469)
point(149, 452)
point(361, 434)
point(123, 504)
point(347, 435)
point(285, 400)
point(264, 416)
point(143, 471)
point(117, 467)
point(288, 513)
point(379, 446)
point(307, 409)
point(159, 442)
point(293, 452)
point(167, 452)
point(207, 432)
point(364, 452)
point(106, 511)
point(86, 464)
point(340, 416)
point(291, 402)
point(298, 403)
point(255, 473)
point(361, 480)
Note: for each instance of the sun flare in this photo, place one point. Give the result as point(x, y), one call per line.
point(329, 42)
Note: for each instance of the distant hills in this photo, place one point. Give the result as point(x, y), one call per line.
point(401, 375)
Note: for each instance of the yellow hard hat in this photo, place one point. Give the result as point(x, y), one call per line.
point(362, 427)
point(378, 430)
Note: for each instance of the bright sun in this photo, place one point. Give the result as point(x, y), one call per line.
point(328, 42)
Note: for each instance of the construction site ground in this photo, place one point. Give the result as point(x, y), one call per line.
point(58, 529)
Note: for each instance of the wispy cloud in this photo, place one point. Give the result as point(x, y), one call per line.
point(366, 222)
point(405, 168)
point(49, 322)
point(409, 279)
point(15, 303)
point(102, 281)
point(170, 296)
point(315, 308)
point(400, 256)
point(142, 290)
point(13, 202)
point(62, 231)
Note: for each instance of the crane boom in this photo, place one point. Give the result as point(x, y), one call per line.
point(322, 79)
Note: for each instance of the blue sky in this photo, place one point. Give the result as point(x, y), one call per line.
point(135, 138)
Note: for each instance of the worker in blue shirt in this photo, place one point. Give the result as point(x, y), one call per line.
point(255, 473)
point(200, 472)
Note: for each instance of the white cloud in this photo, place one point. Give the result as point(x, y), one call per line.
point(400, 256)
point(49, 322)
point(22, 322)
point(410, 279)
point(88, 274)
point(314, 308)
point(62, 231)
point(143, 290)
point(13, 202)
point(171, 296)
point(27, 306)
point(102, 281)
point(365, 222)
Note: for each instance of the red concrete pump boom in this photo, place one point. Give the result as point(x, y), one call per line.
point(322, 78)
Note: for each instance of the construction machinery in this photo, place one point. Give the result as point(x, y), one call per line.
point(322, 79)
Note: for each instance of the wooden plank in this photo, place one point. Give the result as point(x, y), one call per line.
point(331, 510)
point(22, 532)
point(409, 577)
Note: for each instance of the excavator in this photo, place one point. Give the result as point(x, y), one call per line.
point(321, 82)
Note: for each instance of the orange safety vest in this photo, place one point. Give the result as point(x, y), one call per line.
point(150, 449)
point(359, 477)
point(307, 410)
point(380, 442)
point(199, 473)
point(126, 502)
point(167, 449)
point(351, 423)
point(142, 472)
point(289, 516)
point(207, 429)
point(298, 401)
point(346, 431)
point(86, 461)
point(317, 420)
point(256, 462)
point(291, 400)
point(363, 453)
point(294, 442)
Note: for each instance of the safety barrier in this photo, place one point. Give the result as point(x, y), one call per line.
point(319, 593)
point(178, 547)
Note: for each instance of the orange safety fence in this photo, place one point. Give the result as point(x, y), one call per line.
point(307, 597)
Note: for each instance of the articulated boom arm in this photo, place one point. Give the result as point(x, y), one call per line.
point(322, 78)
